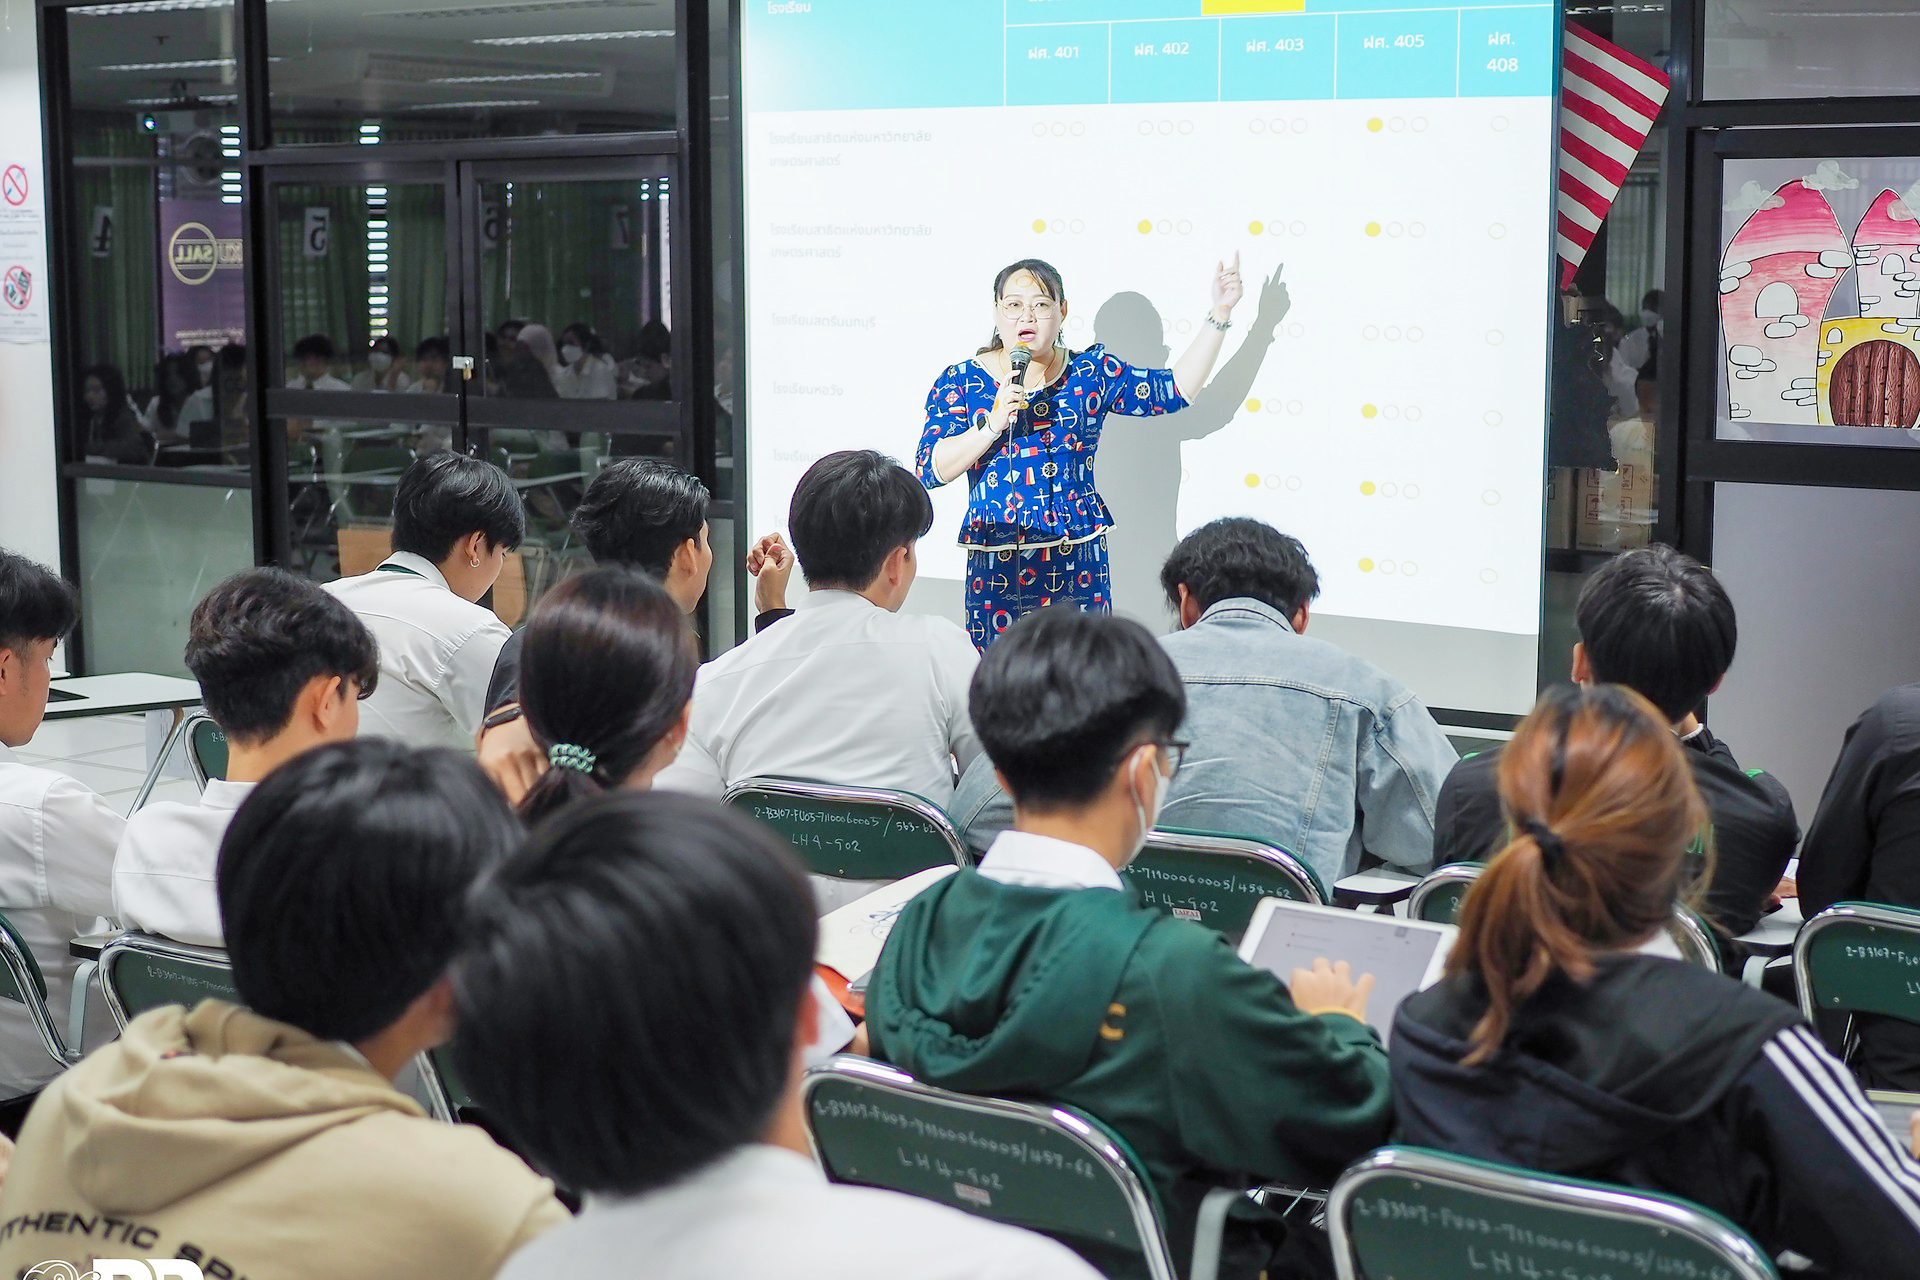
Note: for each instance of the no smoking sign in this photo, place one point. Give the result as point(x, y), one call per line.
point(17, 288)
point(13, 185)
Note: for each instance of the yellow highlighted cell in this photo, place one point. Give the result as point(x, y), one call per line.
point(1373, 228)
point(1366, 566)
point(1376, 124)
point(1253, 406)
point(1145, 226)
point(1039, 225)
point(1255, 228)
point(1226, 8)
point(1369, 411)
point(1253, 481)
point(1367, 487)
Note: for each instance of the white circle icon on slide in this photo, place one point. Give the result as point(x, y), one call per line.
point(1491, 497)
point(1409, 568)
point(1371, 332)
point(1495, 337)
point(1256, 126)
point(1078, 130)
point(1492, 418)
point(1293, 484)
point(1489, 577)
point(1497, 230)
point(1412, 491)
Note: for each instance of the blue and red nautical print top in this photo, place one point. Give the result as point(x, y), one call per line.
point(1035, 486)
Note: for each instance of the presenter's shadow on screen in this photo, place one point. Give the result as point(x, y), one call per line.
point(1140, 457)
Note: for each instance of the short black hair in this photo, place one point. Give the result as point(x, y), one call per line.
point(35, 603)
point(260, 636)
point(607, 664)
point(669, 942)
point(345, 879)
point(1063, 696)
point(1236, 556)
point(232, 356)
point(445, 496)
point(638, 511)
point(384, 343)
point(314, 344)
point(434, 347)
point(850, 511)
point(1660, 623)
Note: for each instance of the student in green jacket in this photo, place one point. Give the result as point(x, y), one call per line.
point(1040, 974)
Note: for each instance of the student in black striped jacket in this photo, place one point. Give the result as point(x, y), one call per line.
point(1560, 1041)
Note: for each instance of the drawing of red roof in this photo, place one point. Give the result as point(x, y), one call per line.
point(1802, 222)
point(1888, 221)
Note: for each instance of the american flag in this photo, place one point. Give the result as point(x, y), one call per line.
point(1608, 101)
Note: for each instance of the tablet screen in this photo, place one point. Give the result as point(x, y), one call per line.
point(1399, 955)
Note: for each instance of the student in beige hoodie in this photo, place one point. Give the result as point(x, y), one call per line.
point(269, 1142)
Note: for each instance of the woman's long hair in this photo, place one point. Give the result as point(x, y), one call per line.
point(1602, 809)
point(606, 667)
point(1045, 274)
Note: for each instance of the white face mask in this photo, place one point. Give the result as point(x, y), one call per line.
point(571, 352)
point(380, 361)
point(1649, 318)
point(205, 367)
point(1161, 784)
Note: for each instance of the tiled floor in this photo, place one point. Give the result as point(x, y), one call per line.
point(107, 753)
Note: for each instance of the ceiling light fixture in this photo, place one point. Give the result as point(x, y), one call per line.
point(517, 77)
point(571, 37)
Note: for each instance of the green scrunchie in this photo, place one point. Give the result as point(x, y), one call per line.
point(565, 755)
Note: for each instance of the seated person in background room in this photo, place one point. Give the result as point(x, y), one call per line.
point(313, 365)
point(638, 512)
point(56, 836)
point(608, 677)
point(384, 371)
point(586, 370)
point(1041, 974)
point(849, 689)
point(1864, 843)
point(1551, 1044)
point(1661, 624)
point(216, 414)
point(432, 365)
point(282, 667)
point(270, 1137)
point(110, 427)
point(681, 1117)
point(1292, 739)
point(454, 520)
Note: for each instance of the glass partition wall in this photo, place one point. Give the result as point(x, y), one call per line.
point(310, 240)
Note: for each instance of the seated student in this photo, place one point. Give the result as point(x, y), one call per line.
point(1040, 974)
point(607, 677)
point(56, 836)
point(454, 520)
point(270, 1138)
point(681, 1115)
point(1551, 1044)
point(1661, 624)
point(849, 689)
point(282, 667)
point(639, 512)
point(1864, 844)
point(1293, 739)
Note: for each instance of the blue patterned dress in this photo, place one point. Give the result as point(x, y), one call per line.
point(1035, 529)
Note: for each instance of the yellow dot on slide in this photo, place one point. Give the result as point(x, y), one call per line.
point(1367, 487)
point(1039, 225)
point(1253, 406)
point(1375, 125)
point(1255, 228)
point(1366, 566)
point(1369, 411)
point(1146, 227)
point(1253, 481)
point(1373, 228)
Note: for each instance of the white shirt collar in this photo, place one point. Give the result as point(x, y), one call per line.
point(1696, 731)
point(822, 597)
point(1042, 862)
point(420, 565)
point(221, 794)
point(754, 1163)
point(6, 754)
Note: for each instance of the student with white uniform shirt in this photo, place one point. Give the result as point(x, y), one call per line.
point(56, 836)
point(454, 520)
point(849, 689)
point(681, 1119)
point(282, 667)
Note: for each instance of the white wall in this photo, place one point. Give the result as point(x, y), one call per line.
point(1823, 580)
point(29, 523)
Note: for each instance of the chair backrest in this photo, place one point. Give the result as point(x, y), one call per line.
point(853, 833)
point(22, 982)
point(1045, 1168)
point(1216, 879)
point(1694, 936)
point(206, 748)
point(139, 971)
point(1437, 898)
point(1859, 957)
point(1404, 1212)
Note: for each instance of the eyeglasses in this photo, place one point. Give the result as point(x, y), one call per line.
point(1177, 752)
point(1039, 308)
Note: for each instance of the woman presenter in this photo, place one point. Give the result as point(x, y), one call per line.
point(1036, 529)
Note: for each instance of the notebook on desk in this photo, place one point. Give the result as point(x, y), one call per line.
point(1404, 956)
point(851, 936)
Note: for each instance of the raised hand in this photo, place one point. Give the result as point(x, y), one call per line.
point(1226, 286)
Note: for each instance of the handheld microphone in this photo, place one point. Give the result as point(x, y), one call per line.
point(1019, 358)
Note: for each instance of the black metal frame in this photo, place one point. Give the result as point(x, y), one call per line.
point(459, 165)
